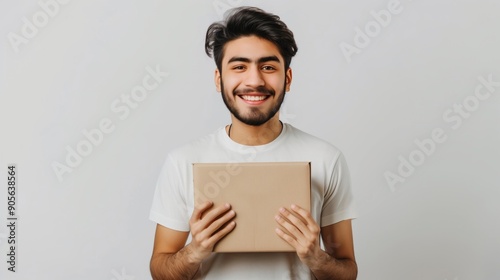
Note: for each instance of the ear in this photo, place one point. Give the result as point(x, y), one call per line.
point(288, 79)
point(217, 80)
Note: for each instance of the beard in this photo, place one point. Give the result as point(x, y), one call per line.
point(256, 116)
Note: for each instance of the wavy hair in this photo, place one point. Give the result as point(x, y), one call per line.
point(247, 21)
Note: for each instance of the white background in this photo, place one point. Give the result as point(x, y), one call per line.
point(440, 223)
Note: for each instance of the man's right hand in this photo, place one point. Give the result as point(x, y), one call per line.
point(209, 225)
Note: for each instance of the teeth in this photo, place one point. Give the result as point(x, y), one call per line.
point(254, 97)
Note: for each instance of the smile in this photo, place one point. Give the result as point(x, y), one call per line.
point(254, 97)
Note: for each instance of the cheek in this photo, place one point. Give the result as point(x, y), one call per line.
point(276, 83)
point(230, 82)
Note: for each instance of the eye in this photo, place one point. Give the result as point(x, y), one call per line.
point(268, 68)
point(238, 67)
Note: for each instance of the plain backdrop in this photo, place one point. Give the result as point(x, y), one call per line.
point(407, 78)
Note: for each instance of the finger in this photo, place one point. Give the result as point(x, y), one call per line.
point(313, 229)
point(305, 215)
point(294, 221)
point(219, 222)
point(203, 231)
point(289, 226)
point(289, 239)
point(216, 212)
point(301, 212)
point(204, 215)
point(198, 210)
point(207, 225)
point(222, 232)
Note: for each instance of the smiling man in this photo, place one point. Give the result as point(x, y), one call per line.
point(253, 50)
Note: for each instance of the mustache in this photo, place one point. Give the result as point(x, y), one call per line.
point(260, 89)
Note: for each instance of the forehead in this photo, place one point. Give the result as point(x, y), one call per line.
point(251, 47)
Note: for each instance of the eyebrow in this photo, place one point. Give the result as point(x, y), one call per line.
point(248, 60)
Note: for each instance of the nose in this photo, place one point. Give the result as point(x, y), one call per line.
point(254, 77)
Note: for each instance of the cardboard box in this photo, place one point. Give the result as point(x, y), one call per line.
point(255, 191)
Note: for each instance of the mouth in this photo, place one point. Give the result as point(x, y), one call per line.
point(254, 99)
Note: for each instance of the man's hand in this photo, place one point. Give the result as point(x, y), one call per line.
point(172, 260)
point(208, 226)
point(337, 262)
point(303, 232)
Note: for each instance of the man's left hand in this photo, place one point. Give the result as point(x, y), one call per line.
point(303, 232)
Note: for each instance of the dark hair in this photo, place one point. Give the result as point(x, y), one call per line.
point(247, 21)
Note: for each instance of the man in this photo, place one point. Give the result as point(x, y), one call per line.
point(253, 50)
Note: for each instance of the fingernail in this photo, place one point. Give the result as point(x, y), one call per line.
point(282, 210)
point(294, 206)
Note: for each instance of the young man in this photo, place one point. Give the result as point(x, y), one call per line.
point(253, 50)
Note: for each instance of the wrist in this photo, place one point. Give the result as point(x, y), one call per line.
point(191, 257)
point(318, 260)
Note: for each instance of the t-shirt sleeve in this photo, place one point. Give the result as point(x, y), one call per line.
point(169, 207)
point(339, 202)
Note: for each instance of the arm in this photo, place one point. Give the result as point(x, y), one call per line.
point(170, 257)
point(337, 261)
point(172, 260)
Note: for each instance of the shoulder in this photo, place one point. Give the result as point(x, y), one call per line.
point(192, 150)
point(311, 143)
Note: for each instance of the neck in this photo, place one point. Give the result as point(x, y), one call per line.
point(254, 135)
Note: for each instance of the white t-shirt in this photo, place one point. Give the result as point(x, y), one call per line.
point(331, 196)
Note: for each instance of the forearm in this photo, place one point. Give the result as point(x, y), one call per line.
point(328, 267)
point(179, 265)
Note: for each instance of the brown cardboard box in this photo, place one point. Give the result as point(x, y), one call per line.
point(255, 191)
